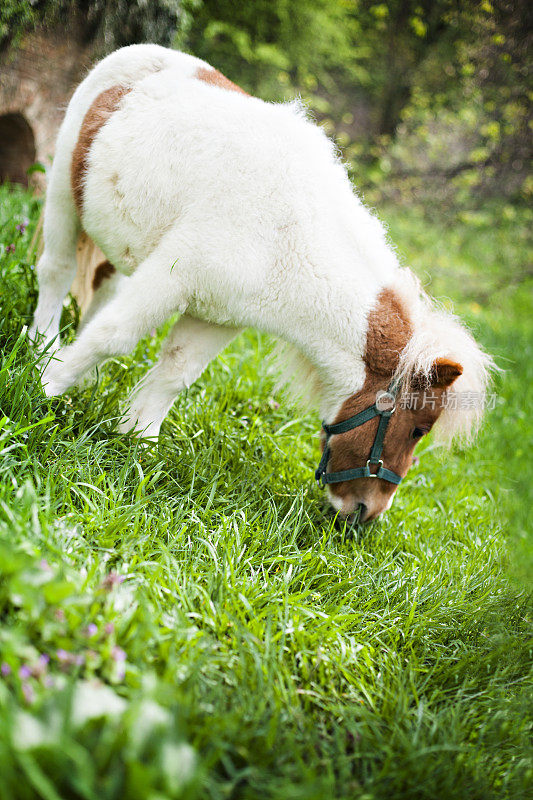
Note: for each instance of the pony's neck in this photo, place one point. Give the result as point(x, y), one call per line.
point(346, 261)
point(334, 344)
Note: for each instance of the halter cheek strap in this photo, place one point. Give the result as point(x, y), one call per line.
point(323, 476)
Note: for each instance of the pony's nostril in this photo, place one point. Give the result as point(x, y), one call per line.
point(363, 512)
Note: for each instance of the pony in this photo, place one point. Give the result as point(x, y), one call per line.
point(234, 212)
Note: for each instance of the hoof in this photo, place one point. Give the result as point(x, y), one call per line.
point(137, 427)
point(54, 381)
point(52, 389)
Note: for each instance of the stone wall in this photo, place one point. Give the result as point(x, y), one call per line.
point(37, 79)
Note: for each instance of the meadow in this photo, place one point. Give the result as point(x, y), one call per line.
point(188, 619)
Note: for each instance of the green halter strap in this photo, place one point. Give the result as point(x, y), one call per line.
point(324, 477)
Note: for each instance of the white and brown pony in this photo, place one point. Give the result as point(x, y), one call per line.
point(234, 212)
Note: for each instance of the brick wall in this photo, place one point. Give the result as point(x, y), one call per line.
point(36, 81)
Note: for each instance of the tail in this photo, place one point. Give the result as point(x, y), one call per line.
point(88, 258)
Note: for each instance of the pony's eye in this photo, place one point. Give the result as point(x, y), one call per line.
point(418, 433)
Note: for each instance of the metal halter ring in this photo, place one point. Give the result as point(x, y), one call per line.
point(374, 474)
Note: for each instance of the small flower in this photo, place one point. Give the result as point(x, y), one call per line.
point(21, 227)
point(5, 669)
point(68, 659)
point(59, 614)
point(109, 628)
point(111, 580)
point(39, 668)
point(63, 656)
point(10, 248)
point(24, 672)
point(92, 629)
point(28, 692)
point(118, 654)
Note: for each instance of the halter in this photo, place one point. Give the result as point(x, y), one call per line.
point(323, 476)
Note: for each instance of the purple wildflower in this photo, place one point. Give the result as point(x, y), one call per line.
point(5, 669)
point(109, 628)
point(92, 629)
point(10, 248)
point(118, 654)
point(24, 672)
point(21, 227)
point(39, 668)
point(28, 692)
point(111, 580)
point(67, 659)
point(63, 656)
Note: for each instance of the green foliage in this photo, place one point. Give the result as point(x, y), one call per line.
point(464, 134)
point(114, 23)
point(263, 44)
point(428, 99)
point(207, 629)
point(15, 17)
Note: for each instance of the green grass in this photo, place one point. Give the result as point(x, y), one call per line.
point(188, 620)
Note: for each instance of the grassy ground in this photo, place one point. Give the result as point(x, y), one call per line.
point(188, 621)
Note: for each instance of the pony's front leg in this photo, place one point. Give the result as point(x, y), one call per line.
point(141, 302)
point(186, 352)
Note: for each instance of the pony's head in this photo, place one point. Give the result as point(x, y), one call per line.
point(440, 377)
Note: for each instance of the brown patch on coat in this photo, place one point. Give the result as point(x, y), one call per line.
point(389, 330)
point(97, 115)
point(101, 273)
point(216, 78)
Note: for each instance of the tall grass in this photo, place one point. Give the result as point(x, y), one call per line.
point(188, 619)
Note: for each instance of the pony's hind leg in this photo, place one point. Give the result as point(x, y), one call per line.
point(185, 353)
point(56, 267)
point(143, 301)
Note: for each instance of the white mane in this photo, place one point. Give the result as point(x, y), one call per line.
point(437, 333)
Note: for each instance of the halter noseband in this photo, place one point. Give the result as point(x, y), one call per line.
point(323, 476)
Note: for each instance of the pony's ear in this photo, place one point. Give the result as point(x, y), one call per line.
point(444, 372)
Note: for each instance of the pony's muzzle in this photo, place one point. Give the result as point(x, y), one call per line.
point(366, 503)
point(359, 516)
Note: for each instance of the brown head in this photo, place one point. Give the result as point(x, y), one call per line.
point(420, 402)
